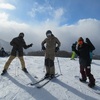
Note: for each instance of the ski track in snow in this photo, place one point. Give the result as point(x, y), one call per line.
point(13, 85)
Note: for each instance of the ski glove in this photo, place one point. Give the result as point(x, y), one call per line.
point(87, 40)
point(43, 48)
point(30, 45)
point(56, 49)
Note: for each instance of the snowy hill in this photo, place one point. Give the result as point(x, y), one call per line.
point(5, 45)
point(13, 86)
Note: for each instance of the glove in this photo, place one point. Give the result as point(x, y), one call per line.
point(43, 48)
point(31, 45)
point(56, 49)
point(87, 40)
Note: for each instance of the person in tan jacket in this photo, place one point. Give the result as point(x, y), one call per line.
point(50, 45)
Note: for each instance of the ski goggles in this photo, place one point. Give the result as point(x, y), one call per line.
point(49, 34)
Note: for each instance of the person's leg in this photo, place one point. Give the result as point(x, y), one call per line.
point(83, 74)
point(51, 64)
point(73, 55)
point(8, 62)
point(91, 77)
point(52, 68)
point(47, 67)
point(23, 64)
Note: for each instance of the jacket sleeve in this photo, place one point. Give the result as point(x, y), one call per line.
point(90, 44)
point(43, 42)
point(58, 42)
point(26, 46)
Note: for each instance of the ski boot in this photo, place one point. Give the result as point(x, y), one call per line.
point(25, 70)
point(82, 80)
point(46, 75)
point(4, 72)
point(91, 85)
point(52, 76)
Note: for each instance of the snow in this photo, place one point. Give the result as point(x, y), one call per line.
point(13, 86)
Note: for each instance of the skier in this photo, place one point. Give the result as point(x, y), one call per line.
point(52, 46)
point(73, 52)
point(83, 51)
point(18, 44)
point(3, 53)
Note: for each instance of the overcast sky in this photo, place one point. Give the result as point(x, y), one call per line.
point(67, 19)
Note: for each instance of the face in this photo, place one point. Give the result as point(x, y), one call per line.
point(80, 42)
point(49, 34)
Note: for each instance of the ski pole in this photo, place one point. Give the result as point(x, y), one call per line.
point(59, 65)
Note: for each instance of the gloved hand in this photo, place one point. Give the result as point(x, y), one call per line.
point(43, 48)
point(87, 40)
point(56, 49)
point(31, 45)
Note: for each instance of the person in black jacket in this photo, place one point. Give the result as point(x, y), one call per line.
point(18, 44)
point(3, 53)
point(83, 51)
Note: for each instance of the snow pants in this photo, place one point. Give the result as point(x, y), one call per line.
point(49, 63)
point(86, 72)
point(73, 55)
point(11, 59)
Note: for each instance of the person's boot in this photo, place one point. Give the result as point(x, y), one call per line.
point(25, 70)
point(82, 80)
point(91, 81)
point(4, 72)
point(91, 85)
point(52, 76)
point(46, 75)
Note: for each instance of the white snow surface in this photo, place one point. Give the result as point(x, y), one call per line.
point(13, 85)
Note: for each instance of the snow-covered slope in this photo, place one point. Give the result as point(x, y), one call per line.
point(13, 86)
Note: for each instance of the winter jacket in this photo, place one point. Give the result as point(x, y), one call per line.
point(84, 54)
point(18, 44)
point(51, 44)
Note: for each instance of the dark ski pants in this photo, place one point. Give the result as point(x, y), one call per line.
point(86, 72)
point(49, 63)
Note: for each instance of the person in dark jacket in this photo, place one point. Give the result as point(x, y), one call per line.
point(3, 53)
point(50, 45)
point(18, 44)
point(83, 51)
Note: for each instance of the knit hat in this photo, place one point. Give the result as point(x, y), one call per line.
point(80, 39)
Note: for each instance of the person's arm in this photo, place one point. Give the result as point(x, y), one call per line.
point(58, 45)
point(90, 44)
point(42, 44)
point(26, 46)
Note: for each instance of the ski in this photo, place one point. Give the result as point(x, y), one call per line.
point(37, 82)
point(42, 85)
